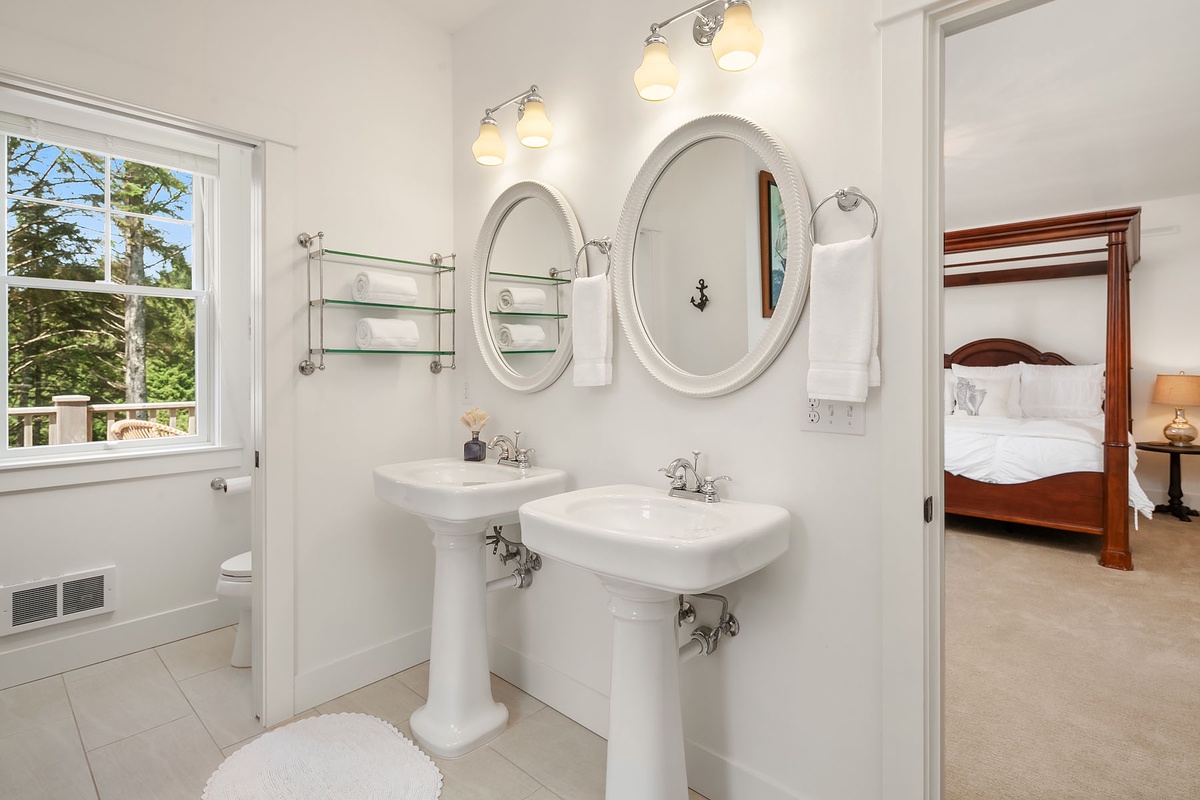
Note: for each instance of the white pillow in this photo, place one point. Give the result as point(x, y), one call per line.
point(986, 397)
point(1062, 391)
point(948, 394)
point(1008, 390)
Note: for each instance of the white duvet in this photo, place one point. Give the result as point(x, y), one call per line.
point(1002, 450)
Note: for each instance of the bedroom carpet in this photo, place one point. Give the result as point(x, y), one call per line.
point(1067, 680)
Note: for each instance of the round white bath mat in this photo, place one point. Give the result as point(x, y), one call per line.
point(330, 757)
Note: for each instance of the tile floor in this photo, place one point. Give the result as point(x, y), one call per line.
point(155, 725)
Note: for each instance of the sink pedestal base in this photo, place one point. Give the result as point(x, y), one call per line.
point(645, 727)
point(460, 714)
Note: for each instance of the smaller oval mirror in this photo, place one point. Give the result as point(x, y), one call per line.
point(520, 285)
point(711, 256)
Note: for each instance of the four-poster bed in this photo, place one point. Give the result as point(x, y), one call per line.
point(1091, 502)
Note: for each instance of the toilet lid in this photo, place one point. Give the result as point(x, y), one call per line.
point(237, 567)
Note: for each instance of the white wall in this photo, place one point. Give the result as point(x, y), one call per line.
point(791, 708)
point(371, 169)
point(1068, 316)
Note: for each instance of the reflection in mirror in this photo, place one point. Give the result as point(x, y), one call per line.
point(527, 308)
point(700, 223)
point(521, 285)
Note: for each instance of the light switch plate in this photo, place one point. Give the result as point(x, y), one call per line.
point(830, 416)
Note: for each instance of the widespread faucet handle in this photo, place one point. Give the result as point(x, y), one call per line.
point(708, 487)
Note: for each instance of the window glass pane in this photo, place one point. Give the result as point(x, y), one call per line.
point(118, 350)
point(39, 169)
point(156, 191)
point(148, 253)
point(46, 241)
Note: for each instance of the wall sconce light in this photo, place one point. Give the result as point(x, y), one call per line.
point(1178, 391)
point(533, 128)
point(734, 38)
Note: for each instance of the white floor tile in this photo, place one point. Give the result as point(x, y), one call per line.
point(566, 758)
point(520, 705)
point(484, 775)
point(221, 699)
point(388, 699)
point(416, 678)
point(233, 748)
point(543, 794)
point(45, 762)
point(129, 695)
point(34, 703)
point(199, 654)
point(170, 762)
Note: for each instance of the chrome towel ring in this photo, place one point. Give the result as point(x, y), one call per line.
point(604, 245)
point(848, 200)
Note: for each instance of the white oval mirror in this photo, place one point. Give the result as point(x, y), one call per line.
point(712, 256)
point(520, 285)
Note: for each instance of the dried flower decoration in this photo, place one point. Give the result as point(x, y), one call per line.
point(475, 419)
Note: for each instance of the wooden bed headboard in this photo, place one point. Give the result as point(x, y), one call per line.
point(999, 353)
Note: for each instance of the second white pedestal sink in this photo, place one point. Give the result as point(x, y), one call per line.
point(459, 501)
point(647, 549)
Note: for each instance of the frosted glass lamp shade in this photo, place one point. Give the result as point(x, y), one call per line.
point(737, 45)
point(534, 128)
point(489, 148)
point(657, 77)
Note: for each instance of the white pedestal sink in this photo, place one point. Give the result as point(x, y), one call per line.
point(459, 501)
point(647, 549)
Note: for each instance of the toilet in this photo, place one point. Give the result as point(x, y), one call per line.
point(233, 586)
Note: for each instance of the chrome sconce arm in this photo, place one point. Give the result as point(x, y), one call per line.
point(730, 31)
point(533, 127)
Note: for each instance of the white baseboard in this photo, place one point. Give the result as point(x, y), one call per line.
point(709, 773)
point(80, 649)
point(361, 669)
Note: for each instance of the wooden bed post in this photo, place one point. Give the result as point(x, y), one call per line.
point(1114, 551)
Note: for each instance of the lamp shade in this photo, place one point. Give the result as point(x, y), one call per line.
point(657, 77)
point(1179, 391)
point(534, 128)
point(737, 45)
point(489, 148)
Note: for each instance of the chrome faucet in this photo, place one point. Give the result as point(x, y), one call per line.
point(704, 490)
point(511, 453)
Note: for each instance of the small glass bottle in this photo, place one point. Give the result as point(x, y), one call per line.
point(474, 450)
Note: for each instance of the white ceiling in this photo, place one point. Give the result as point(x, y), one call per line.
point(1071, 106)
point(446, 15)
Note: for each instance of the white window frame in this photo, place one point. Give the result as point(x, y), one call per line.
point(32, 115)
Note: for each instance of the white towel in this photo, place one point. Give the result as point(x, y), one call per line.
point(520, 335)
point(379, 287)
point(521, 298)
point(591, 331)
point(843, 337)
point(386, 334)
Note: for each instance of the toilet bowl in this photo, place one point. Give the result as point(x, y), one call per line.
point(233, 587)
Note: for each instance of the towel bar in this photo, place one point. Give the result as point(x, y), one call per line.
point(848, 200)
point(604, 245)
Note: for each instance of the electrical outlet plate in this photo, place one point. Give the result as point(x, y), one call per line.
point(466, 392)
point(831, 416)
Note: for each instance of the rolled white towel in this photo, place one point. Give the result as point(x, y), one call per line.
point(380, 287)
point(520, 335)
point(522, 298)
point(386, 334)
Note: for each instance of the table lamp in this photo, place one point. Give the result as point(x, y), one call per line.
point(1179, 391)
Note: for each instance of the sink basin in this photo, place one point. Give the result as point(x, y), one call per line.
point(641, 535)
point(454, 490)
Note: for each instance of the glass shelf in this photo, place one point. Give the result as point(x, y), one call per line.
point(380, 305)
point(362, 260)
point(520, 352)
point(390, 352)
point(542, 278)
point(539, 314)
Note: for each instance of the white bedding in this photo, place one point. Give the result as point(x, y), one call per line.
point(1002, 450)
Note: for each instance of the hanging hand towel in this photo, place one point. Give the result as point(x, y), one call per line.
point(591, 331)
point(519, 299)
point(379, 287)
point(843, 338)
point(386, 334)
point(520, 335)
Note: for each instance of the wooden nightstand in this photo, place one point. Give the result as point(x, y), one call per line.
point(1174, 492)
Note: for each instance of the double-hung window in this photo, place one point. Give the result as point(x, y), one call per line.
point(109, 240)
